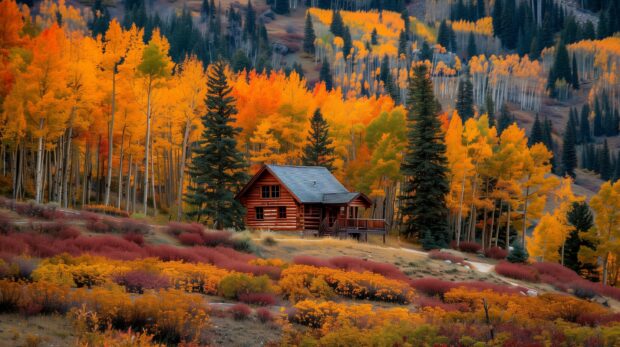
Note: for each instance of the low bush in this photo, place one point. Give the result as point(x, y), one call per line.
point(432, 286)
point(517, 271)
point(240, 311)
point(234, 285)
point(264, 315)
point(497, 253)
point(261, 299)
point(469, 247)
point(312, 261)
point(439, 255)
point(136, 281)
point(269, 241)
point(361, 265)
point(216, 238)
point(190, 239)
point(136, 238)
point(176, 228)
point(105, 209)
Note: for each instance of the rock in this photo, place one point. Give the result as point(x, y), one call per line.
point(448, 261)
point(532, 292)
point(280, 48)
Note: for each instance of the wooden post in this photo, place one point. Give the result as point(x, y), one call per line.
point(486, 312)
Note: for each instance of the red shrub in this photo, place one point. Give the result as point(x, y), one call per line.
point(312, 261)
point(425, 301)
point(136, 238)
point(264, 315)
point(137, 281)
point(176, 228)
point(189, 239)
point(240, 311)
point(69, 233)
point(261, 299)
point(594, 320)
point(557, 271)
point(469, 247)
point(517, 271)
point(439, 255)
point(432, 286)
point(361, 265)
point(128, 225)
point(216, 238)
point(496, 253)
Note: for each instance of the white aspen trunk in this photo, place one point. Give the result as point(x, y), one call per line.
point(147, 148)
point(108, 181)
point(120, 171)
point(182, 170)
point(39, 168)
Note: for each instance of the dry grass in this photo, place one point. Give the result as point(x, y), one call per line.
point(15, 330)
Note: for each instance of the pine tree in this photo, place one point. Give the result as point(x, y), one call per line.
point(337, 25)
point(580, 217)
point(319, 150)
point(347, 42)
point(536, 134)
point(472, 50)
point(424, 166)
point(373, 37)
point(547, 131)
point(505, 119)
point(446, 37)
point(218, 169)
point(326, 75)
point(280, 6)
point(465, 99)
point(489, 107)
point(497, 18)
point(575, 75)
point(569, 153)
point(402, 44)
point(584, 124)
point(561, 67)
point(518, 254)
point(598, 118)
point(100, 18)
point(309, 35)
point(426, 53)
point(605, 167)
point(250, 20)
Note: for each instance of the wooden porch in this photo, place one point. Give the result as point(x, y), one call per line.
point(358, 228)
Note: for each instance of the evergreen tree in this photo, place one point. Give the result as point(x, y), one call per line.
point(598, 118)
point(547, 131)
point(446, 36)
point(402, 44)
point(472, 50)
point(424, 166)
point(426, 53)
point(280, 6)
point(241, 62)
point(204, 10)
point(575, 74)
point(347, 43)
point(384, 69)
point(561, 67)
point(569, 153)
point(505, 119)
point(319, 150)
point(373, 37)
point(250, 20)
point(581, 219)
point(537, 133)
point(337, 25)
point(100, 18)
point(309, 35)
point(518, 254)
point(584, 125)
point(326, 75)
point(605, 167)
point(218, 169)
point(509, 25)
point(465, 99)
point(497, 18)
point(489, 107)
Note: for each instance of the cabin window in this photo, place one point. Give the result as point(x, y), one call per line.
point(275, 191)
point(265, 192)
point(282, 212)
point(260, 213)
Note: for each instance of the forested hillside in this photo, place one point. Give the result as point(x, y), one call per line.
point(486, 126)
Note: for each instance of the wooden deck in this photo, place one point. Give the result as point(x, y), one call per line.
point(354, 227)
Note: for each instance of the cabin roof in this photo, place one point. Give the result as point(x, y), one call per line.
point(308, 184)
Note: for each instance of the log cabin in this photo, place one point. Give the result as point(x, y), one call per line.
point(305, 198)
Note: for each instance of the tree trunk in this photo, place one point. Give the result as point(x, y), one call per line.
point(120, 170)
point(39, 169)
point(108, 181)
point(508, 226)
point(182, 170)
point(527, 193)
point(146, 149)
point(65, 171)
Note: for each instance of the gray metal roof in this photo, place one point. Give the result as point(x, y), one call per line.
point(339, 198)
point(310, 184)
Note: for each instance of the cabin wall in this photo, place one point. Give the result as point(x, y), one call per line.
point(271, 221)
point(312, 216)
